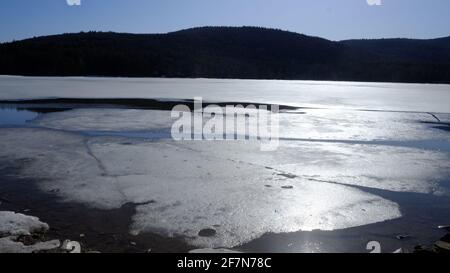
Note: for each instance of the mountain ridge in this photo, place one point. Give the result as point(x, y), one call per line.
point(229, 52)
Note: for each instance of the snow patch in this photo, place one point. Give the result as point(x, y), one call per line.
point(17, 224)
point(10, 245)
point(13, 225)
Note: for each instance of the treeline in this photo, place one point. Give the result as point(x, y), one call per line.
point(228, 52)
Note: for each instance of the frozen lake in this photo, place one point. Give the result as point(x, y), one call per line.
point(362, 161)
point(369, 96)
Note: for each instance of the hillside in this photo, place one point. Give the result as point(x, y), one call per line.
point(228, 52)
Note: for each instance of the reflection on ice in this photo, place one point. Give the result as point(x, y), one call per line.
point(383, 167)
point(314, 124)
point(181, 191)
point(359, 125)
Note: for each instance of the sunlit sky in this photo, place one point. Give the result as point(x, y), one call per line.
point(331, 19)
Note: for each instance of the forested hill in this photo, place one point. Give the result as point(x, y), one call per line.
point(228, 52)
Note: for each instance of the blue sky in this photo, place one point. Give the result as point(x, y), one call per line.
point(331, 19)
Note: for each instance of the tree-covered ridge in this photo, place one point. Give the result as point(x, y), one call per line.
point(228, 52)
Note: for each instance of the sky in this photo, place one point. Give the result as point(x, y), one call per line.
point(331, 19)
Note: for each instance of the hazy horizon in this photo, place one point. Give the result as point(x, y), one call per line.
point(218, 26)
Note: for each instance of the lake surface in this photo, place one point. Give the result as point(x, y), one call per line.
point(356, 162)
point(15, 117)
point(373, 96)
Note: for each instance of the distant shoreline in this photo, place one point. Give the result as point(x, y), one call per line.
point(229, 53)
point(200, 78)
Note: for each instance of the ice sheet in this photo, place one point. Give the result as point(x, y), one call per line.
point(315, 180)
point(314, 124)
point(212, 251)
point(106, 120)
point(347, 125)
point(181, 192)
point(375, 96)
point(374, 166)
